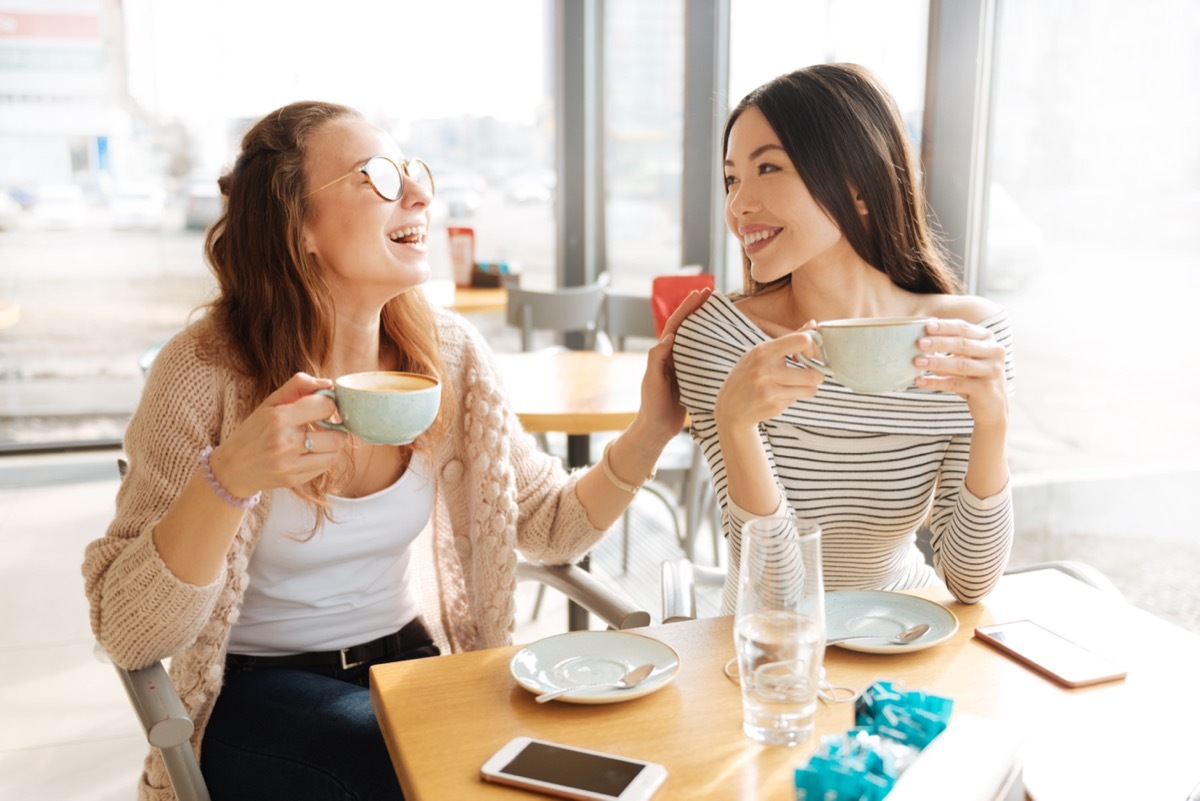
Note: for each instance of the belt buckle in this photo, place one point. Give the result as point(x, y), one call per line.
point(347, 665)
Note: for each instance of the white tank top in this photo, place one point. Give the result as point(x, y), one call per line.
point(345, 585)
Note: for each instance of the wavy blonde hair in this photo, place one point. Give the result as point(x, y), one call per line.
point(274, 311)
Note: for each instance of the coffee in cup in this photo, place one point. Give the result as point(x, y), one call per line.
point(868, 354)
point(384, 408)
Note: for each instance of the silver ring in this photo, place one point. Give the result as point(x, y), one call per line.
point(308, 444)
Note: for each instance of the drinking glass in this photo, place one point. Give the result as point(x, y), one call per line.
point(779, 628)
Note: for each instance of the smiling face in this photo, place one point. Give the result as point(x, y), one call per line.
point(768, 206)
point(370, 248)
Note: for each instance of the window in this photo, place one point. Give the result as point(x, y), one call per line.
point(643, 132)
point(1094, 229)
point(117, 118)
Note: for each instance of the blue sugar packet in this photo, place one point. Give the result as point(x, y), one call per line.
point(864, 763)
point(910, 717)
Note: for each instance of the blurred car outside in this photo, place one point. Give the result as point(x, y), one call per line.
point(10, 211)
point(202, 204)
point(138, 207)
point(58, 206)
point(532, 186)
point(459, 194)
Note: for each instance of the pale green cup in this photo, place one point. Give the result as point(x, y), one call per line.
point(868, 354)
point(384, 408)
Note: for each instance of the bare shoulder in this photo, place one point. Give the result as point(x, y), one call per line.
point(971, 308)
point(769, 311)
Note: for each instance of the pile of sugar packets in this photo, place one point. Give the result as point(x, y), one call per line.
point(891, 728)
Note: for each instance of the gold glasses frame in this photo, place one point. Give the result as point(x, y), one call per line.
point(401, 168)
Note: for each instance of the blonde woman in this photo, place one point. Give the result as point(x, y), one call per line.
point(264, 553)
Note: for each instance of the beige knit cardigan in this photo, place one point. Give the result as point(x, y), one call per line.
point(495, 494)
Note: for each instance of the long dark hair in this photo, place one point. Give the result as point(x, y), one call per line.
point(841, 128)
point(274, 314)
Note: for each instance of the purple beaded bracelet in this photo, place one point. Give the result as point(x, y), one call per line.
point(235, 502)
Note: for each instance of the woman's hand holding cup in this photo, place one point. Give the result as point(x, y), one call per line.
point(279, 444)
point(967, 360)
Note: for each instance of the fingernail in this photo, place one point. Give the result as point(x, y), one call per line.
point(921, 361)
point(925, 343)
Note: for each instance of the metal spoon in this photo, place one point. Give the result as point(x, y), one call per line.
point(631, 679)
point(908, 635)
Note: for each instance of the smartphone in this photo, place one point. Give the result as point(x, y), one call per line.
point(1066, 662)
point(569, 772)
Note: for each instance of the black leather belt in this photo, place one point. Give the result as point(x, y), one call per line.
point(386, 647)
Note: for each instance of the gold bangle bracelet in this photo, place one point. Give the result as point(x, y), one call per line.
point(632, 489)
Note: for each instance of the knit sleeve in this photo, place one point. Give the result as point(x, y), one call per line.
point(552, 524)
point(141, 611)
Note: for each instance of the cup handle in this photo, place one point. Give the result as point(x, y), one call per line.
point(800, 360)
point(325, 423)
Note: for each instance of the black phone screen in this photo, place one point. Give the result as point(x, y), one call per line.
point(591, 772)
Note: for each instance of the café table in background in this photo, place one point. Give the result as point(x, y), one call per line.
point(573, 392)
point(10, 313)
point(1131, 739)
point(465, 299)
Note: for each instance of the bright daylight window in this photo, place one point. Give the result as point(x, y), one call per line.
point(1094, 230)
point(643, 125)
point(117, 117)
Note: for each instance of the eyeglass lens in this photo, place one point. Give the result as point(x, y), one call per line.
point(385, 176)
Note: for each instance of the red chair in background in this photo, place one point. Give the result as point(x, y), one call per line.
point(668, 291)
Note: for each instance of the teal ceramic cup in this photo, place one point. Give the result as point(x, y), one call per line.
point(384, 408)
point(868, 354)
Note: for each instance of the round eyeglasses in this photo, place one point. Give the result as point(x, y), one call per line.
point(387, 177)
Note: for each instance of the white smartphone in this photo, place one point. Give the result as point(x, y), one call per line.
point(1066, 662)
point(570, 772)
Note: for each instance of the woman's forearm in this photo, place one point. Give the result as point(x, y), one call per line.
point(631, 457)
point(987, 461)
point(750, 480)
point(194, 536)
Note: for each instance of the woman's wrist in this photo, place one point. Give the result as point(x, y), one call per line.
point(228, 494)
point(630, 460)
point(649, 439)
point(615, 479)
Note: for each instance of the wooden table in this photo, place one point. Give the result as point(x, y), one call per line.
point(466, 300)
point(576, 392)
point(10, 313)
point(1134, 739)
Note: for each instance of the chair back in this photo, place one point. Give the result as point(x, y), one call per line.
point(558, 310)
point(628, 315)
point(668, 291)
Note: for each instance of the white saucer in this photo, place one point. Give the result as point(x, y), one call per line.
point(885, 614)
point(579, 658)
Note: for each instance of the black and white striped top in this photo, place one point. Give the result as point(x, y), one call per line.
point(869, 469)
